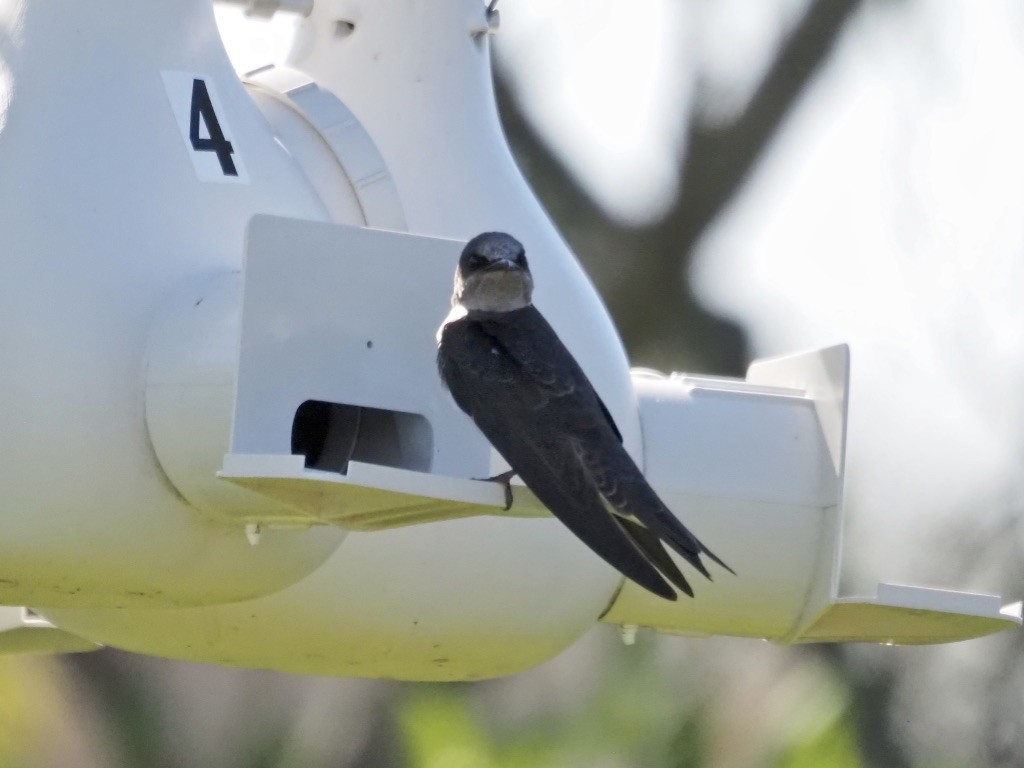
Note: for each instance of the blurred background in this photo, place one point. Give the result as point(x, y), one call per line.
point(741, 178)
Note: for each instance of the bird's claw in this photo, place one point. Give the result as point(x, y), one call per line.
point(505, 478)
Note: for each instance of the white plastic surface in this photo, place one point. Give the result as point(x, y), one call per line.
point(367, 497)
point(350, 145)
point(905, 615)
point(312, 154)
point(756, 469)
point(441, 601)
point(348, 318)
point(23, 631)
point(748, 468)
point(191, 364)
point(103, 215)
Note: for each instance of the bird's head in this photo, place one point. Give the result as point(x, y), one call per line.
point(493, 275)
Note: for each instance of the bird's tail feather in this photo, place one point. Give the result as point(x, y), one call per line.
point(628, 491)
point(650, 545)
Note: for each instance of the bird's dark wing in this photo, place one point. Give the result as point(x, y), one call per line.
point(582, 414)
point(552, 470)
point(530, 398)
point(536, 350)
point(511, 407)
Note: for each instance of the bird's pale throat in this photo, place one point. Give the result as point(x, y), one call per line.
point(497, 291)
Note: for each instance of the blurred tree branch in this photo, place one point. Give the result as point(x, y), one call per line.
point(640, 269)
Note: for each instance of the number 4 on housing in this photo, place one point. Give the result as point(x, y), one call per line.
point(203, 123)
point(203, 112)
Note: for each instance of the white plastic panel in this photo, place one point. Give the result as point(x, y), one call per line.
point(824, 377)
point(191, 364)
point(749, 469)
point(23, 631)
point(351, 145)
point(458, 600)
point(313, 155)
point(905, 615)
point(348, 318)
point(753, 443)
point(367, 497)
point(774, 551)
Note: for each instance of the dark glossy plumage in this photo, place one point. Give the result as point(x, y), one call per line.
point(511, 373)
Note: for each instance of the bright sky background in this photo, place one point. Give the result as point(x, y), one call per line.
point(610, 81)
point(889, 216)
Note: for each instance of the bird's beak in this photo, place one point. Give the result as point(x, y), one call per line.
point(503, 265)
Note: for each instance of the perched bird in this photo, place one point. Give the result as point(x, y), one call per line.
point(505, 367)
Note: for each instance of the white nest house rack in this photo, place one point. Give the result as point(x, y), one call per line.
point(234, 371)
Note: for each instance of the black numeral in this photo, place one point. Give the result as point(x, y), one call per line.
point(202, 108)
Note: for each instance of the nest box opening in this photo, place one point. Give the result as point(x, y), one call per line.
point(330, 435)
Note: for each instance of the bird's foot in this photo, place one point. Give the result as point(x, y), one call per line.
point(505, 478)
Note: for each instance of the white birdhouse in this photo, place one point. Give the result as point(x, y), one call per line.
point(226, 437)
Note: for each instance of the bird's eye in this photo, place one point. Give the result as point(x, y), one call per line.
point(521, 258)
point(476, 260)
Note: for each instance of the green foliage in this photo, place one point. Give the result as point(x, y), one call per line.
point(818, 731)
point(635, 712)
point(832, 747)
point(635, 716)
point(441, 732)
point(27, 702)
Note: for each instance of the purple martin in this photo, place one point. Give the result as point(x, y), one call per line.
point(508, 370)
